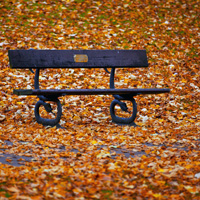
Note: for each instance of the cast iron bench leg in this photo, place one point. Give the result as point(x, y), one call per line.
point(120, 120)
point(47, 106)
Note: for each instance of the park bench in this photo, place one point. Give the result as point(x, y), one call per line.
point(41, 59)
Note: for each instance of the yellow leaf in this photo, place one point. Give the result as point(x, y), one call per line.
point(157, 195)
point(133, 31)
point(184, 81)
point(93, 141)
point(163, 170)
point(190, 189)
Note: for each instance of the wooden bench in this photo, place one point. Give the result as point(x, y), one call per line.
point(41, 59)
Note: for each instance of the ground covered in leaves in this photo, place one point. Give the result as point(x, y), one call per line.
point(93, 158)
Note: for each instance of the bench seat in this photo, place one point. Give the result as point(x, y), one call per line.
point(62, 92)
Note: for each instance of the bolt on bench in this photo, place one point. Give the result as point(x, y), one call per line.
point(41, 59)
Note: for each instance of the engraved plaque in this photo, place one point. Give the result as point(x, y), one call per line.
point(80, 58)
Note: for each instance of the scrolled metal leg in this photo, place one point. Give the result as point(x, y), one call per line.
point(47, 106)
point(121, 120)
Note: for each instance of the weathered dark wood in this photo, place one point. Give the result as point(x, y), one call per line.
point(77, 58)
point(61, 92)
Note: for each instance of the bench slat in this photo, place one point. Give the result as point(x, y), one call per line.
point(61, 92)
point(77, 58)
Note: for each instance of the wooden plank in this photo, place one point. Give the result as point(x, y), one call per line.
point(77, 58)
point(61, 92)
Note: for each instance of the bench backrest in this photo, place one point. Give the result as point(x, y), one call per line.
point(77, 58)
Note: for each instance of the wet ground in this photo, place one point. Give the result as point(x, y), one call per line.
point(19, 160)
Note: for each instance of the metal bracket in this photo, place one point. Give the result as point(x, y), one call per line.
point(31, 70)
point(106, 70)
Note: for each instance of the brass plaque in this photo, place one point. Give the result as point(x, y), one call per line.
point(80, 58)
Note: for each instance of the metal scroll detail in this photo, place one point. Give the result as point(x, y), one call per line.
point(120, 120)
point(47, 106)
point(106, 70)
